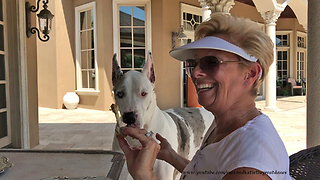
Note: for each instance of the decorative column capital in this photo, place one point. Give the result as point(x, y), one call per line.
point(220, 5)
point(203, 4)
point(271, 17)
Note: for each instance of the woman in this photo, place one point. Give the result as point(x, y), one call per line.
point(227, 63)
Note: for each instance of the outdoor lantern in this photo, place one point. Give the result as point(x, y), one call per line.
point(179, 35)
point(45, 20)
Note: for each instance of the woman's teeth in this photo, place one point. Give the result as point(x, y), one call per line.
point(204, 87)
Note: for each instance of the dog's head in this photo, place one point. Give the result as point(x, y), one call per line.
point(133, 93)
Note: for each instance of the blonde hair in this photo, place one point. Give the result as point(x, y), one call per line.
point(243, 33)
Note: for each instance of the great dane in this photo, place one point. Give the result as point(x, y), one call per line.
point(184, 128)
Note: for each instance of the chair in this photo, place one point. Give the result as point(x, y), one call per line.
point(305, 164)
point(294, 86)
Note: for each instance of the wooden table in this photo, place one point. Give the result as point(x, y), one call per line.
point(44, 164)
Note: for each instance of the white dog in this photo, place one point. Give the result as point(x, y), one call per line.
point(184, 128)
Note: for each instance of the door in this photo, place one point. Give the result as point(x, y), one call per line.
point(5, 130)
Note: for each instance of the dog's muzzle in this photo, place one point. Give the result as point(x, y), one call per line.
point(129, 118)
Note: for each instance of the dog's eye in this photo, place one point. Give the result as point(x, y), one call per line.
point(143, 93)
point(120, 94)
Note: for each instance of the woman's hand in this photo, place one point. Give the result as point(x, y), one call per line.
point(140, 160)
point(169, 155)
point(165, 148)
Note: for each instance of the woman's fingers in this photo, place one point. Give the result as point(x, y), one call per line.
point(160, 138)
point(124, 145)
point(139, 134)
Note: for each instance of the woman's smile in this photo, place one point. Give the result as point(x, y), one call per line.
point(204, 87)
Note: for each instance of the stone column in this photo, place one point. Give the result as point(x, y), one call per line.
point(220, 5)
point(313, 81)
point(271, 18)
point(205, 10)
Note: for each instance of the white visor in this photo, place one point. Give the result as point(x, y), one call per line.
point(189, 51)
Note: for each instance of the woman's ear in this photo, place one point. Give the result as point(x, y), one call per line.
point(253, 73)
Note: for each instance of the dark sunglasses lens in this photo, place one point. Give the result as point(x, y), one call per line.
point(209, 63)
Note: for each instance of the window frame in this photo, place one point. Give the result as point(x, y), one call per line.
point(7, 139)
point(116, 25)
point(298, 59)
point(80, 90)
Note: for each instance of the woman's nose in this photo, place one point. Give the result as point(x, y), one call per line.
point(197, 71)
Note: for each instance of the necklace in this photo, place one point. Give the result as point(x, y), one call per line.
point(225, 129)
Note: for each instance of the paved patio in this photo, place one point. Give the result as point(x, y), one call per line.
point(92, 129)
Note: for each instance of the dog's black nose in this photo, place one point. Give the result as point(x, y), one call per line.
point(129, 118)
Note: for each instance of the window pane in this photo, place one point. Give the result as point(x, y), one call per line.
point(90, 39)
point(139, 58)
point(279, 74)
point(84, 79)
point(278, 41)
point(285, 37)
point(301, 66)
point(284, 74)
point(139, 37)
point(285, 65)
point(84, 60)
point(83, 40)
point(1, 12)
point(279, 55)
point(3, 99)
point(126, 58)
point(138, 16)
point(279, 65)
point(92, 77)
point(90, 19)
point(82, 21)
point(2, 68)
point(3, 125)
point(285, 43)
point(302, 57)
point(91, 59)
point(196, 18)
point(125, 37)
point(125, 15)
point(285, 55)
point(189, 17)
point(1, 38)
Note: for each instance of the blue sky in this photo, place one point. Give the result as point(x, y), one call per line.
point(138, 13)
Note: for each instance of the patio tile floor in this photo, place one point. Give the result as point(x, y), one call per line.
point(93, 129)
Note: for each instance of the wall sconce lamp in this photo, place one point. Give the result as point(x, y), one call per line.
point(179, 35)
point(45, 20)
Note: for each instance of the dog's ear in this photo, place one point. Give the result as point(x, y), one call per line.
point(148, 69)
point(116, 70)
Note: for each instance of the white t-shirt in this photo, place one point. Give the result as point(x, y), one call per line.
point(256, 145)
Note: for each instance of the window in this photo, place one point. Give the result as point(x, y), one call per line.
point(86, 49)
point(282, 40)
point(301, 42)
point(282, 67)
point(132, 33)
point(300, 65)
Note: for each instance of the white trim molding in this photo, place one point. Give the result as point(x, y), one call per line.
point(80, 90)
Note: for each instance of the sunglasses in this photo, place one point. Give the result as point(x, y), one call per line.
point(208, 64)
